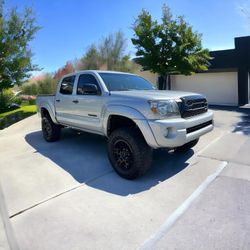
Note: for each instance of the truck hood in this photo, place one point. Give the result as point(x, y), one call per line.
point(152, 94)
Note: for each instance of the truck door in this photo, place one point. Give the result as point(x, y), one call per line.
point(88, 105)
point(63, 101)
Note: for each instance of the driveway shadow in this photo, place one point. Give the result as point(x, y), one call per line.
point(84, 157)
point(243, 125)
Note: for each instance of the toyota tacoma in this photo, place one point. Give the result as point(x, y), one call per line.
point(134, 116)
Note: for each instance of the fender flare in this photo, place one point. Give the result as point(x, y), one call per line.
point(133, 114)
point(51, 111)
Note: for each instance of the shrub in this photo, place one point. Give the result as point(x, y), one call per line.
point(47, 85)
point(17, 100)
point(32, 101)
point(30, 89)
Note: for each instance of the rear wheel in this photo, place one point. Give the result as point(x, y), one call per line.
point(128, 153)
point(51, 131)
point(187, 146)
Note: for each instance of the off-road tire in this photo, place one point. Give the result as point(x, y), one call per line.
point(128, 153)
point(51, 131)
point(187, 146)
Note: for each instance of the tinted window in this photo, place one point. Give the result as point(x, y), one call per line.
point(122, 82)
point(86, 79)
point(67, 85)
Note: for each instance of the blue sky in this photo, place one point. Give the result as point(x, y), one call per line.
point(69, 27)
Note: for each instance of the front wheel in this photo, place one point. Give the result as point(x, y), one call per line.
point(128, 153)
point(51, 131)
point(187, 146)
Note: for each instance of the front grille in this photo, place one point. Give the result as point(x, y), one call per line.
point(192, 105)
point(200, 126)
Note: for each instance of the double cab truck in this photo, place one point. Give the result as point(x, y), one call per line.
point(134, 116)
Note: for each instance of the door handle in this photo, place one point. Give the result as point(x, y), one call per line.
point(75, 101)
point(58, 100)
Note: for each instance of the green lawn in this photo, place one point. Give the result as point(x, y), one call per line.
point(29, 109)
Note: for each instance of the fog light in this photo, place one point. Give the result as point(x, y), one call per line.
point(171, 132)
point(166, 132)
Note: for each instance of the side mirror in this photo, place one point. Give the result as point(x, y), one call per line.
point(89, 89)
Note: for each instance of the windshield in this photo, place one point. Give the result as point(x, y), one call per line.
point(123, 82)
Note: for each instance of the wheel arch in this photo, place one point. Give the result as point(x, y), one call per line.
point(129, 116)
point(46, 110)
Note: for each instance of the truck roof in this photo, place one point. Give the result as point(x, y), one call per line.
point(98, 71)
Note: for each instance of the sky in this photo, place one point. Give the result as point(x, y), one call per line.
point(69, 27)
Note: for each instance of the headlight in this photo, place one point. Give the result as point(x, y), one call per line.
point(165, 108)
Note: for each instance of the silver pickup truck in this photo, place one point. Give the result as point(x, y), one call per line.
point(130, 112)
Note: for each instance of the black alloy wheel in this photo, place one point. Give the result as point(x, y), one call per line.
point(51, 131)
point(128, 152)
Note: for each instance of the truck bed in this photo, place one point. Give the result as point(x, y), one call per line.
point(46, 101)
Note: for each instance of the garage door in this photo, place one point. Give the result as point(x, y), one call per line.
point(219, 88)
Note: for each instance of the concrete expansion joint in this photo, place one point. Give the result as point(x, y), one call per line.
point(60, 194)
point(222, 160)
point(211, 158)
point(95, 178)
point(233, 178)
point(46, 200)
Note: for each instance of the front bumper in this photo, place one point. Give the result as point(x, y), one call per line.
point(171, 133)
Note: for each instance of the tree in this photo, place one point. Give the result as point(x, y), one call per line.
point(16, 32)
point(169, 47)
point(128, 65)
point(66, 69)
point(112, 50)
point(91, 60)
point(109, 54)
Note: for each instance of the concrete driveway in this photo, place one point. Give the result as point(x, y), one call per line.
point(65, 195)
